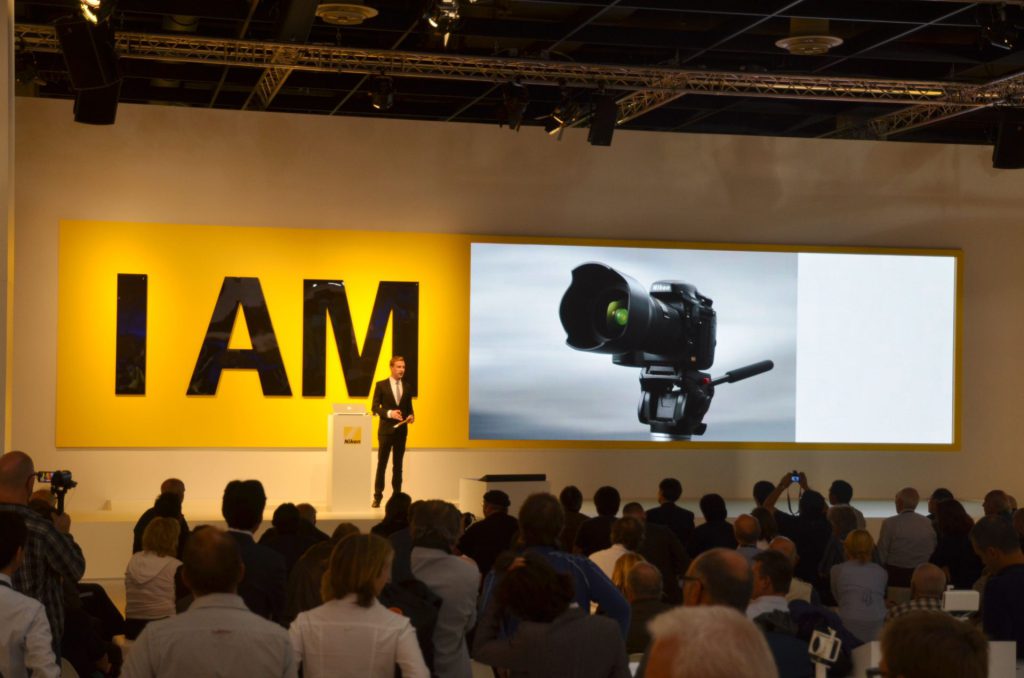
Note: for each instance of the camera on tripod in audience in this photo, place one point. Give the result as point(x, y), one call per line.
point(60, 482)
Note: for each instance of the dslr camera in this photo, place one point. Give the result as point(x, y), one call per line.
point(60, 482)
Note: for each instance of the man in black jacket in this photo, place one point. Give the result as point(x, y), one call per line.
point(486, 539)
point(676, 518)
point(264, 585)
point(167, 505)
point(392, 402)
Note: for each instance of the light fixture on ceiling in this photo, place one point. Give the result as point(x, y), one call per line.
point(383, 97)
point(443, 15)
point(997, 27)
point(350, 13)
point(90, 10)
point(564, 114)
point(808, 37)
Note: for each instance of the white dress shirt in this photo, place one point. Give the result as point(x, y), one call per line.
point(606, 558)
point(340, 638)
point(25, 638)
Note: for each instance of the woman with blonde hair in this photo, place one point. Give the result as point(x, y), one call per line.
point(150, 576)
point(859, 587)
point(623, 565)
point(352, 634)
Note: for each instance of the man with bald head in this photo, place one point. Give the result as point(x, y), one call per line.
point(798, 588)
point(926, 588)
point(906, 540)
point(51, 554)
point(747, 531)
point(167, 505)
point(218, 635)
point(719, 576)
point(644, 593)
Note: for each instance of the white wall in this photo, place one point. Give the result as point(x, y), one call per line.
point(175, 165)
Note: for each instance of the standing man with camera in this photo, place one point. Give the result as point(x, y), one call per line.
point(392, 402)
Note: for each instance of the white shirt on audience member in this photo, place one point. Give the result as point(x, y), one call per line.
point(217, 636)
point(341, 639)
point(149, 586)
point(25, 640)
point(606, 558)
point(765, 604)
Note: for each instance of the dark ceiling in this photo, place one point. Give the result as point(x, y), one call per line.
point(933, 71)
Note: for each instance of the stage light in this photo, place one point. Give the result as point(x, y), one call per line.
point(442, 15)
point(383, 93)
point(998, 28)
point(565, 114)
point(516, 98)
point(90, 10)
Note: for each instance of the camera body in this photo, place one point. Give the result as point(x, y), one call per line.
point(58, 480)
point(794, 476)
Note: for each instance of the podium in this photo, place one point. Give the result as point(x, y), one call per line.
point(349, 461)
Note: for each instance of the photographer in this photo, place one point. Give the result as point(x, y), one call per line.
point(809, 529)
point(51, 554)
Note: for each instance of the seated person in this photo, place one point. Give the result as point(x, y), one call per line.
point(929, 645)
point(859, 587)
point(149, 580)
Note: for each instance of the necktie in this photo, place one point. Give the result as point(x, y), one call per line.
point(398, 392)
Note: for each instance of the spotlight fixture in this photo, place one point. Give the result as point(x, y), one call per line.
point(515, 100)
point(997, 27)
point(565, 113)
point(383, 93)
point(90, 10)
point(442, 15)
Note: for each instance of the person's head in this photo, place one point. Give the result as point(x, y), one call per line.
point(307, 512)
point(13, 535)
point(17, 478)
point(929, 645)
point(541, 520)
point(712, 507)
point(174, 486)
point(532, 590)
point(161, 537)
point(168, 505)
point(995, 541)
point(360, 564)
point(607, 499)
point(786, 547)
point(629, 532)
point(397, 365)
point(859, 546)
point(343, 530)
point(686, 642)
point(496, 501)
point(286, 519)
point(766, 519)
point(772, 573)
point(1012, 501)
point(625, 563)
point(762, 490)
point(907, 499)
point(643, 582)
point(243, 504)
point(996, 502)
point(718, 577)
point(843, 520)
point(435, 521)
point(746, 529)
point(571, 498)
point(669, 490)
point(940, 494)
point(840, 492)
point(634, 509)
point(928, 581)
point(952, 518)
point(813, 506)
point(397, 507)
point(1018, 522)
point(212, 562)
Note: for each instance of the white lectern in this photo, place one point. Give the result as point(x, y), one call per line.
point(349, 461)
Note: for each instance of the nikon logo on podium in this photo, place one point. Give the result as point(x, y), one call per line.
point(353, 435)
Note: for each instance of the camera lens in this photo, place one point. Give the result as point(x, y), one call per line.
point(616, 314)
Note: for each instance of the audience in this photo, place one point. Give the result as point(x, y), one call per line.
point(290, 535)
point(595, 534)
point(809, 529)
point(487, 538)
point(747, 532)
point(771, 574)
point(435, 529)
point(798, 588)
point(859, 586)
point(688, 644)
point(939, 494)
point(572, 501)
point(643, 591)
point(762, 490)
point(553, 639)
point(396, 515)
point(715, 531)
point(843, 521)
point(167, 505)
point(667, 513)
point(26, 646)
point(308, 514)
point(928, 645)
point(218, 635)
point(352, 634)
point(1018, 524)
point(662, 549)
point(953, 551)
point(1002, 603)
point(626, 536)
point(719, 576)
point(926, 588)
point(51, 556)
point(149, 581)
point(997, 503)
point(766, 522)
point(906, 540)
point(304, 582)
point(840, 494)
point(264, 584)
point(623, 565)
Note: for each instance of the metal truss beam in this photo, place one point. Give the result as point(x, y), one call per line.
point(270, 83)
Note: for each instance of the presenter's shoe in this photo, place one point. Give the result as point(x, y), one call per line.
point(375, 504)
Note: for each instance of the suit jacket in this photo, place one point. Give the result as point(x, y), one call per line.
point(678, 519)
point(264, 587)
point(662, 549)
point(384, 400)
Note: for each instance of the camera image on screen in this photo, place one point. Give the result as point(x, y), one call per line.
point(669, 332)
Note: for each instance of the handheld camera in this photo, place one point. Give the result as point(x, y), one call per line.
point(669, 332)
point(60, 482)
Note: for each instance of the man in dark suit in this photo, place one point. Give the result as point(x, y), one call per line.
point(676, 518)
point(486, 539)
point(264, 584)
point(662, 549)
point(392, 402)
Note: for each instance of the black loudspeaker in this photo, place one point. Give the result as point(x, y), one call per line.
point(1008, 152)
point(89, 52)
point(97, 106)
point(602, 122)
